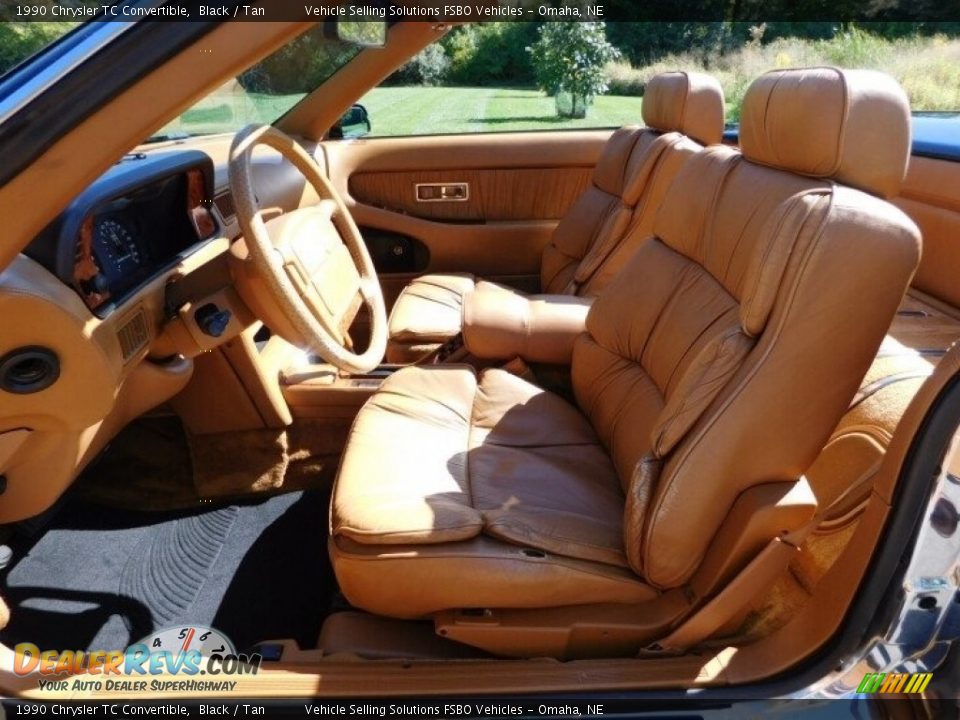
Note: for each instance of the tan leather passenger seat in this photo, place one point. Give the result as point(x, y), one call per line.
point(718, 360)
point(682, 112)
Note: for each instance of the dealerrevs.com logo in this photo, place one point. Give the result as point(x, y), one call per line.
point(202, 657)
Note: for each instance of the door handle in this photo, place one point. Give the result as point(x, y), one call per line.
point(442, 192)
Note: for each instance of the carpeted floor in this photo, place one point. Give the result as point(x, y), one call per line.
point(102, 578)
point(145, 467)
point(154, 464)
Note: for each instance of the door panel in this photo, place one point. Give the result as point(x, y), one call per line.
point(489, 194)
point(519, 185)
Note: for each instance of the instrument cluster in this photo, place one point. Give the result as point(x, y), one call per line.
point(133, 223)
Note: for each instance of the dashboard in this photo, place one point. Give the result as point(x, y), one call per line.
point(101, 310)
point(136, 221)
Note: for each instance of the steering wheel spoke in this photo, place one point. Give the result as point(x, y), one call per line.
point(313, 261)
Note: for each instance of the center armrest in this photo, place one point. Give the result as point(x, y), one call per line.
point(500, 324)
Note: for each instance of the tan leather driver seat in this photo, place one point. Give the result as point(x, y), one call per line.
point(718, 360)
point(681, 111)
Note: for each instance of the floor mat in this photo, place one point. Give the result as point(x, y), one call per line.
point(302, 456)
point(99, 578)
point(145, 467)
point(153, 464)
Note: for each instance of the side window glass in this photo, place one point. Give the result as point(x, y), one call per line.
point(510, 76)
point(506, 76)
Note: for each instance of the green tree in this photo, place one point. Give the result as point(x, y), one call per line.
point(428, 67)
point(568, 60)
point(300, 66)
point(20, 40)
point(489, 53)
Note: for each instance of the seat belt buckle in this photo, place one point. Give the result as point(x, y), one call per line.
point(451, 351)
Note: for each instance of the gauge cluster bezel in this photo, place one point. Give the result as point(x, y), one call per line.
point(67, 246)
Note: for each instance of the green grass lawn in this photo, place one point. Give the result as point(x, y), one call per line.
point(416, 111)
point(430, 111)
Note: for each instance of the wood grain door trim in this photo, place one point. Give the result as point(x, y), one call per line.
point(494, 194)
point(494, 240)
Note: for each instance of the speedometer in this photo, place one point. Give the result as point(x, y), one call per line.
point(116, 247)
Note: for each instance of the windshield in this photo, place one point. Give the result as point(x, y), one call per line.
point(265, 91)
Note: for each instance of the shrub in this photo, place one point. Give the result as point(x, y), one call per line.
point(428, 67)
point(927, 67)
point(855, 48)
point(490, 53)
point(624, 79)
point(570, 58)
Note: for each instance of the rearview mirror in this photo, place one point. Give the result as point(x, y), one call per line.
point(367, 33)
point(354, 123)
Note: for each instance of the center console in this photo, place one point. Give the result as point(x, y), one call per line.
point(315, 389)
point(500, 324)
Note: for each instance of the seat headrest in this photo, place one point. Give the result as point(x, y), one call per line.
point(685, 102)
point(849, 125)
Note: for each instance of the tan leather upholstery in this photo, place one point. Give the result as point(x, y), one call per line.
point(686, 103)
point(603, 227)
point(412, 581)
point(578, 257)
point(426, 310)
point(919, 337)
point(929, 197)
point(718, 360)
point(847, 139)
point(500, 323)
point(488, 435)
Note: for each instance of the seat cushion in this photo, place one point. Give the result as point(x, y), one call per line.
point(413, 581)
point(427, 313)
point(439, 455)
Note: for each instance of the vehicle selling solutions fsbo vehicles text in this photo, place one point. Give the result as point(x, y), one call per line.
point(458, 10)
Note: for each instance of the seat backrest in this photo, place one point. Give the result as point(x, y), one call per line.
point(682, 112)
point(725, 352)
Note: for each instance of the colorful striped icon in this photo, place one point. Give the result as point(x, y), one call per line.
point(884, 683)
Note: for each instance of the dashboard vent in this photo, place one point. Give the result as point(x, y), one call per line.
point(133, 335)
point(224, 203)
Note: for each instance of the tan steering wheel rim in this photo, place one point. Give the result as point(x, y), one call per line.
point(270, 264)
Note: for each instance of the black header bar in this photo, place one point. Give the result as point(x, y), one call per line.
point(747, 11)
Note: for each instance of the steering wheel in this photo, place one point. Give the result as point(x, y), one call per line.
point(313, 267)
